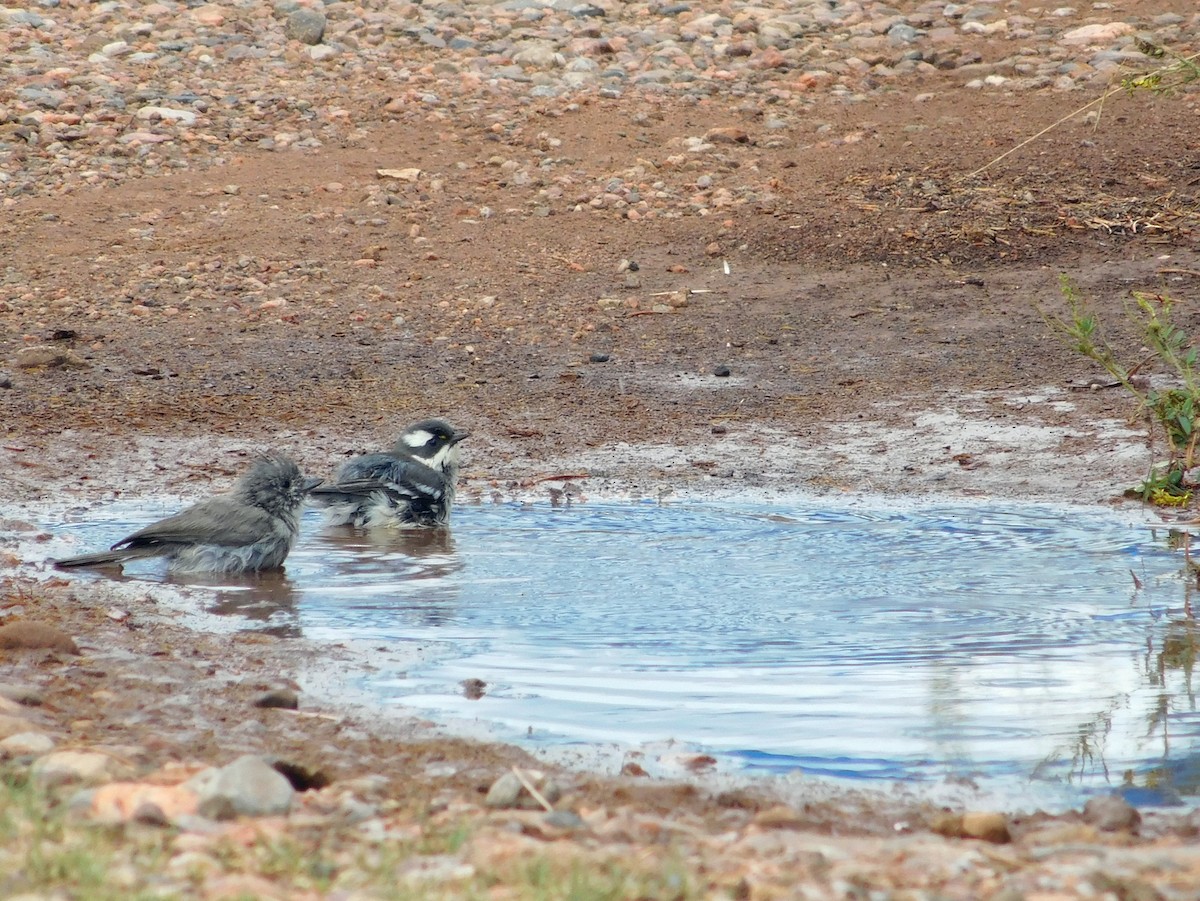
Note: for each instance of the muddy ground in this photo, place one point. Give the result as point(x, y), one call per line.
point(876, 307)
point(876, 297)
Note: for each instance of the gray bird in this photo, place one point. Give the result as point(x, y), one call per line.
point(250, 529)
point(412, 486)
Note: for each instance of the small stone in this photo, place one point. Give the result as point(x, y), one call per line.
point(89, 767)
point(250, 785)
point(564, 819)
point(1111, 813)
point(209, 15)
point(779, 817)
point(280, 698)
point(990, 827)
point(167, 114)
point(150, 814)
point(948, 824)
point(159, 805)
point(599, 358)
point(409, 175)
point(26, 744)
point(5, 380)
point(43, 356)
point(13, 725)
point(306, 26)
point(25, 695)
point(714, 249)
point(26, 635)
point(508, 791)
point(1095, 35)
point(722, 371)
point(720, 430)
point(726, 136)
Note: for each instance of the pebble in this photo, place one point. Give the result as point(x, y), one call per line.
point(508, 791)
point(27, 635)
point(88, 767)
point(249, 787)
point(1111, 813)
point(26, 744)
point(157, 805)
point(1096, 35)
point(306, 26)
point(44, 356)
point(25, 695)
point(166, 113)
point(986, 825)
point(135, 57)
point(12, 725)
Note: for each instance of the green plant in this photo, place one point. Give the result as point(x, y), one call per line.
point(1174, 409)
point(1179, 71)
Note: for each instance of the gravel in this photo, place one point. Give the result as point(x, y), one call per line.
point(93, 94)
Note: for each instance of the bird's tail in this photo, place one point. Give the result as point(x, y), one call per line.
point(100, 558)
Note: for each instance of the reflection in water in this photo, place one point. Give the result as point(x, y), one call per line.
point(397, 575)
point(1000, 644)
point(341, 554)
point(268, 599)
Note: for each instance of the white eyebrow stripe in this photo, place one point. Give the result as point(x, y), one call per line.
point(418, 438)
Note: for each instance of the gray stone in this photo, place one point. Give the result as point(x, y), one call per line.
point(565, 819)
point(249, 786)
point(1111, 813)
point(167, 114)
point(25, 695)
point(89, 767)
point(26, 744)
point(43, 97)
point(43, 356)
point(24, 17)
point(538, 54)
point(306, 26)
point(509, 791)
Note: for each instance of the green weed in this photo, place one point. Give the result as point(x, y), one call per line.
point(1174, 409)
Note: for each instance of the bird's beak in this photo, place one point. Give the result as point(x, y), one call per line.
point(459, 436)
point(309, 483)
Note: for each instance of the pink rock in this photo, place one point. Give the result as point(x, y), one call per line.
point(118, 802)
point(1089, 35)
point(142, 137)
point(210, 14)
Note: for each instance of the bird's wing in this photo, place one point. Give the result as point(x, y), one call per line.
point(394, 475)
point(222, 521)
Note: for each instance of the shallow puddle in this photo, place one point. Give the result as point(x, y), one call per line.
point(1039, 648)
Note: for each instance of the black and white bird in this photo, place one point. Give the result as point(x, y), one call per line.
point(250, 529)
point(412, 486)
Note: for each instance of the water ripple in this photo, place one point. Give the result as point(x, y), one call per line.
point(863, 639)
